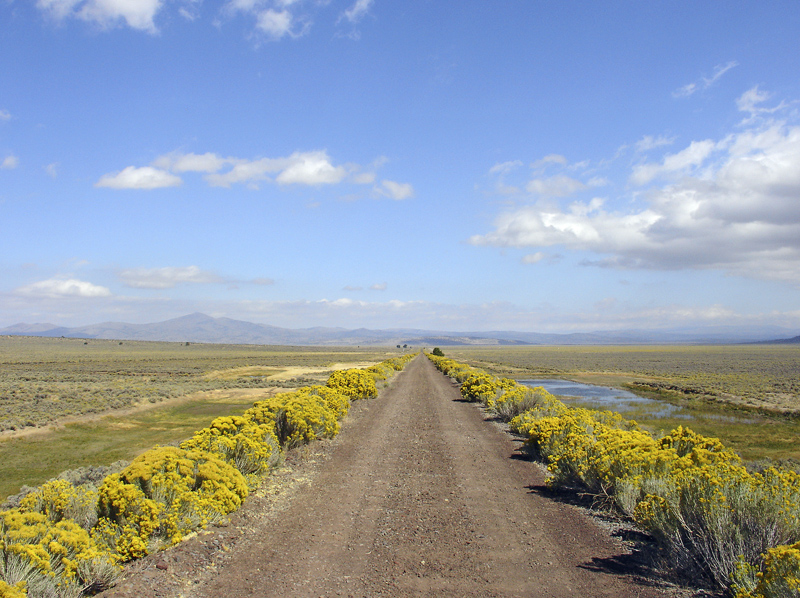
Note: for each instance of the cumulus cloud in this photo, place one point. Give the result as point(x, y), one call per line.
point(52, 169)
point(677, 163)
point(137, 14)
point(381, 286)
point(4, 115)
point(704, 82)
point(739, 213)
point(168, 277)
point(60, 287)
point(311, 168)
point(145, 177)
point(395, 190)
point(9, 163)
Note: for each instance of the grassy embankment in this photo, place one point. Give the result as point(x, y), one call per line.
point(746, 395)
point(126, 398)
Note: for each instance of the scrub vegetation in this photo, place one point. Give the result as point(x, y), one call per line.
point(714, 521)
point(69, 536)
point(764, 377)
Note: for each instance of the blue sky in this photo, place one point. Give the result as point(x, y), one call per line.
point(472, 165)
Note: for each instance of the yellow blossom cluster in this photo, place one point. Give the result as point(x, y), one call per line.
point(45, 558)
point(66, 540)
point(738, 530)
point(356, 384)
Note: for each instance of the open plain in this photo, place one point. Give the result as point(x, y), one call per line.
point(418, 496)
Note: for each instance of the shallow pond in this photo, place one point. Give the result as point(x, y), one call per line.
point(592, 396)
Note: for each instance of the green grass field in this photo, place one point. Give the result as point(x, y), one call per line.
point(132, 396)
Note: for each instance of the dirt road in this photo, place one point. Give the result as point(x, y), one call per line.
point(418, 496)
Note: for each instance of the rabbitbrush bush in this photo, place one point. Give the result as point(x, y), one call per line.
point(44, 558)
point(715, 521)
point(298, 417)
point(356, 384)
point(67, 538)
point(251, 448)
point(163, 495)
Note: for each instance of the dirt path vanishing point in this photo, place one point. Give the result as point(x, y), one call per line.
point(418, 496)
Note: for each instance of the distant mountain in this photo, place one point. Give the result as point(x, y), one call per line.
point(201, 328)
point(783, 341)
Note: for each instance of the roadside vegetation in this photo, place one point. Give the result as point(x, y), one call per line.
point(763, 377)
point(69, 536)
point(715, 521)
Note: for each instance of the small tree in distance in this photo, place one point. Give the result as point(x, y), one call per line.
point(437, 351)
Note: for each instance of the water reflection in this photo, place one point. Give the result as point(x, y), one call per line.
point(591, 396)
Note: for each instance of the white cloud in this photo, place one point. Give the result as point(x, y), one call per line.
point(168, 277)
point(750, 102)
point(704, 82)
point(59, 287)
point(549, 159)
point(398, 191)
point(275, 24)
point(740, 214)
point(505, 167)
point(555, 186)
point(534, 258)
point(694, 155)
point(145, 177)
point(357, 11)
point(9, 163)
point(207, 162)
point(301, 168)
point(648, 142)
point(52, 169)
point(5, 115)
point(310, 168)
point(137, 14)
point(381, 286)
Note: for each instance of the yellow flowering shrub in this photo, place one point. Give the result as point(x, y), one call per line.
point(16, 591)
point(128, 519)
point(779, 576)
point(251, 448)
point(58, 499)
point(715, 519)
point(356, 384)
point(336, 401)
point(452, 368)
point(517, 400)
point(299, 417)
point(50, 559)
point(164, 494)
